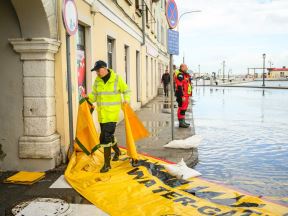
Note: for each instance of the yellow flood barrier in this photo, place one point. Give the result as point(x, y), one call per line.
point(134, 129)
point(87, 138)
point(149, 190)
point(26, 178)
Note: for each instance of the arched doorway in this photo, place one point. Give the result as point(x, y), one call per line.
point(28, 112)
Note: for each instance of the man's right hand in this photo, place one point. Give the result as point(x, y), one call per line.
point(183, 99)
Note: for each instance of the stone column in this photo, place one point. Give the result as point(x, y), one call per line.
point(40, 139)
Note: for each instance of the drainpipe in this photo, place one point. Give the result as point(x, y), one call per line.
point(143, 22)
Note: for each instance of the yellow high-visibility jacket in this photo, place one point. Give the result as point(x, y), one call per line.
point(108, 97)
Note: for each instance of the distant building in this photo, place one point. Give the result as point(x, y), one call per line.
point(278, 73)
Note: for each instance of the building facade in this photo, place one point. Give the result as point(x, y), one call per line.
point(278, 73)
point(130, 35)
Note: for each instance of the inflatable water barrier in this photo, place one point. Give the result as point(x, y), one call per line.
point(148, 189)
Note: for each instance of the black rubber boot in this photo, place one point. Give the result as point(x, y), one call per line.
point(107, 158)
point(186, 123)
point(182, 124)
point(117, 152)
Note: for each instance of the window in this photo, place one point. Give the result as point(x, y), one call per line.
point(110, 52)
point(138, 7)
point(147, 75)
point(81, 61)
point(147, 17)
point(154, 22)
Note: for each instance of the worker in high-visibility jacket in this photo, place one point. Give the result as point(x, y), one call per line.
point(183, 90)
point(107, 92)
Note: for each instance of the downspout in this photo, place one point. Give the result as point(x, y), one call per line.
point(143, 23)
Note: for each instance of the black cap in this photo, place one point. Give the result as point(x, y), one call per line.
point(99, 64)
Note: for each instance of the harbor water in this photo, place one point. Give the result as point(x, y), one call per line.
point(245, 134)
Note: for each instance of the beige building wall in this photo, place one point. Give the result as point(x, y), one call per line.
point(30, 140)
point(278, 74)
point(41, 146)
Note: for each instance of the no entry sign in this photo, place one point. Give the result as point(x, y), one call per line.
point(70, 17)
point(172, 14)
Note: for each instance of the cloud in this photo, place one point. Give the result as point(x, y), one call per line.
point(237, 31)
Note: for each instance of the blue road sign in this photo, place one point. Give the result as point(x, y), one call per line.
point(173, 42)
point(172, 13)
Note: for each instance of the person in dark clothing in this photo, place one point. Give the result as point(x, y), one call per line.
point(166, 81)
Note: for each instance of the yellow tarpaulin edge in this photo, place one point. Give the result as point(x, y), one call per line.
point(150, 190)
point(24, 177)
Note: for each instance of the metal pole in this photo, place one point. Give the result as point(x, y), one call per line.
point(199, 75)
point(223, 71)
point(229, 74)
point(172, 96)
point(264, 56)
point(70, 107)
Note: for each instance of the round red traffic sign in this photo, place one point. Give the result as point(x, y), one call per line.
point(172, 14)
point(70, 16)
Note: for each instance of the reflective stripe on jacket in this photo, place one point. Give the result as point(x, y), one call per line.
point(108, 97)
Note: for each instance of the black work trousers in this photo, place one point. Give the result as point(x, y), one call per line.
point(107, 134)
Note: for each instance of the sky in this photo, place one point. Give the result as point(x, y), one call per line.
point(235, 31)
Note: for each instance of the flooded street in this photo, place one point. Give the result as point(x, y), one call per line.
point(245, 138)
point(283, 83)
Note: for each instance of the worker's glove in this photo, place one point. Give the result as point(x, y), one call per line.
point(125, 102)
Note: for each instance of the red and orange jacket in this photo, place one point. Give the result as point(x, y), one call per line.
point(183, 84)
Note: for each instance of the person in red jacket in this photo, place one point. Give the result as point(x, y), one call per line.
point(183, 90)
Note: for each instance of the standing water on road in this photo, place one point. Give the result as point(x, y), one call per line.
point(268, 83)
point(245, 138)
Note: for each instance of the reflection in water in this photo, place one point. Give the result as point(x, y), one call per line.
point(245, 138)
point(166, 104)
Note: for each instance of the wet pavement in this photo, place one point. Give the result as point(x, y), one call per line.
point(13, 194)
point(156, 117)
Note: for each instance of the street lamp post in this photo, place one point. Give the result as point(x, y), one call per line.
point(271, 63)
point(188, 12)
point(264, 56)
point(228, 74)
point(223, 71)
